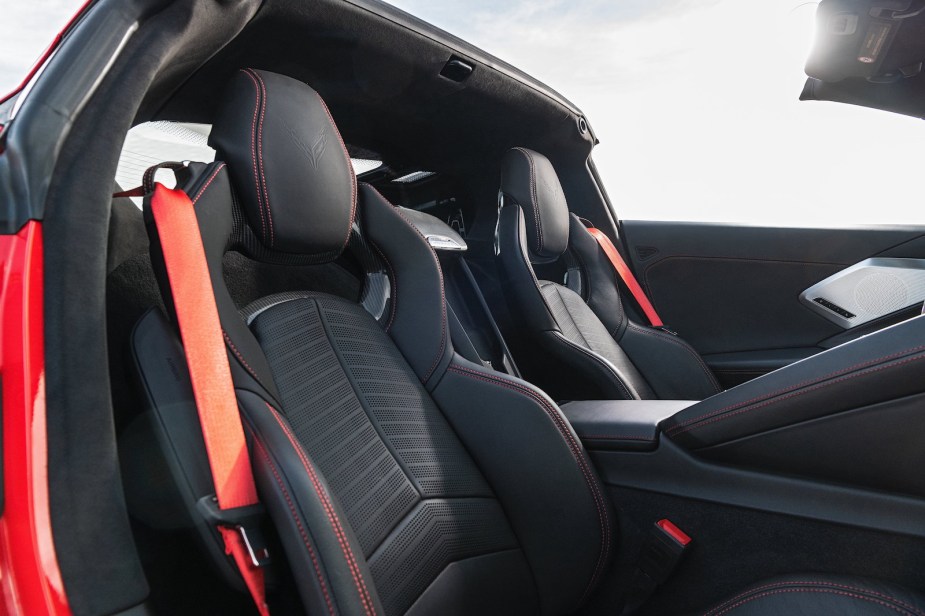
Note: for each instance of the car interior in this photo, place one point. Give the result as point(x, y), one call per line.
point(453, 400)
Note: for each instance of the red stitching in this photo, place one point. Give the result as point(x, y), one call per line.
point(263, 228)
point(794, 387)
point(616, 437)
point(298, 521)
point(797, 393)
point(203, 189)
point(576, 451)
point(895, 608)
point(332, 518)
point(353, 177)
point(237, 354)
point(266, 194)
point(819, 583)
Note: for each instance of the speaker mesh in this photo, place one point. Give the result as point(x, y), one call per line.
point(881, 293)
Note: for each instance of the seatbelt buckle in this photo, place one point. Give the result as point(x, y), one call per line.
point(245, 520)
point(662, 551)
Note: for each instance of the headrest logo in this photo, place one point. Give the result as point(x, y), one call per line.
point(315, 151)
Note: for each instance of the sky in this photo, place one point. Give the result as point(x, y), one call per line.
point(695, 103)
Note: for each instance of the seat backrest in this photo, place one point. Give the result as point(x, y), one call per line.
point(583, 325)
point(401, 478)
point(534, 227)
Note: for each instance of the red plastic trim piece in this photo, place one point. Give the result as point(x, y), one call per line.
point(29, 575)
point(673, 531)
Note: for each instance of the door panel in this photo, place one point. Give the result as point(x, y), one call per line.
point(734, 291)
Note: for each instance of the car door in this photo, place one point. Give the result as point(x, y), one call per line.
point(734, 291)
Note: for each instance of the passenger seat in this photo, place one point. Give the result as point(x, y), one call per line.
point(584, 327)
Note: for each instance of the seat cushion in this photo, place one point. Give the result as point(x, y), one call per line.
point(411, 493)
point(805, 595)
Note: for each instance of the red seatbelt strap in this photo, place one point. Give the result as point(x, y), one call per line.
point(204, 346)
point(626, 275)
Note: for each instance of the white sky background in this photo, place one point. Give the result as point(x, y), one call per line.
point(695, 103)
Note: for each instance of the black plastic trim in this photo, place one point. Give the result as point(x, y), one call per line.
point(671, 470)
point(35, 135)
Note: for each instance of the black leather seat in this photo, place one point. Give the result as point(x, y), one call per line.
point(401, 478)
point(583, 325)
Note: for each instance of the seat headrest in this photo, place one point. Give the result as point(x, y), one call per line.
point(529, 180)
point(288, 164)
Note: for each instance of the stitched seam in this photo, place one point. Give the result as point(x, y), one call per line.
point(208, 183)
point(574, 449)
point(394, 279)
point(263, 229)
point(687, 428)
point(891, 606)
point(433, 254)
point(603, 362)
point(616, 437)
point(571, 318)
point(797, 386)
point(821, 584)
point(298, 521)
point(353, 177)
point(332, 517)
point(263, 178)
point(240, 357)
point(676, 342)
point(536, 216)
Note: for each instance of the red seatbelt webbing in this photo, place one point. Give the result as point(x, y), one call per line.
point(626, 275)
point(204, 346)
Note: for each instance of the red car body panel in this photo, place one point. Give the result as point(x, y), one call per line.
point(29, 573)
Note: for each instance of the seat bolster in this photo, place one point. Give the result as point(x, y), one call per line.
point(673, 369)
point(821, 594)
point(597, 370)
point(554, 501)
point(585, 342)
point(418, 322)
point(602, 289)
point(326, 560)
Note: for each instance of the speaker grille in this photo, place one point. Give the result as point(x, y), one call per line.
point(881, 293)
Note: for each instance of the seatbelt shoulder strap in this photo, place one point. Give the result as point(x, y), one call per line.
point(210, 374)
point(626, 275)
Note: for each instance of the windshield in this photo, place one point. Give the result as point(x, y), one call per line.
point(696, 107)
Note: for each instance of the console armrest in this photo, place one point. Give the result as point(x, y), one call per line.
point(620, 425)
point(881, 367)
